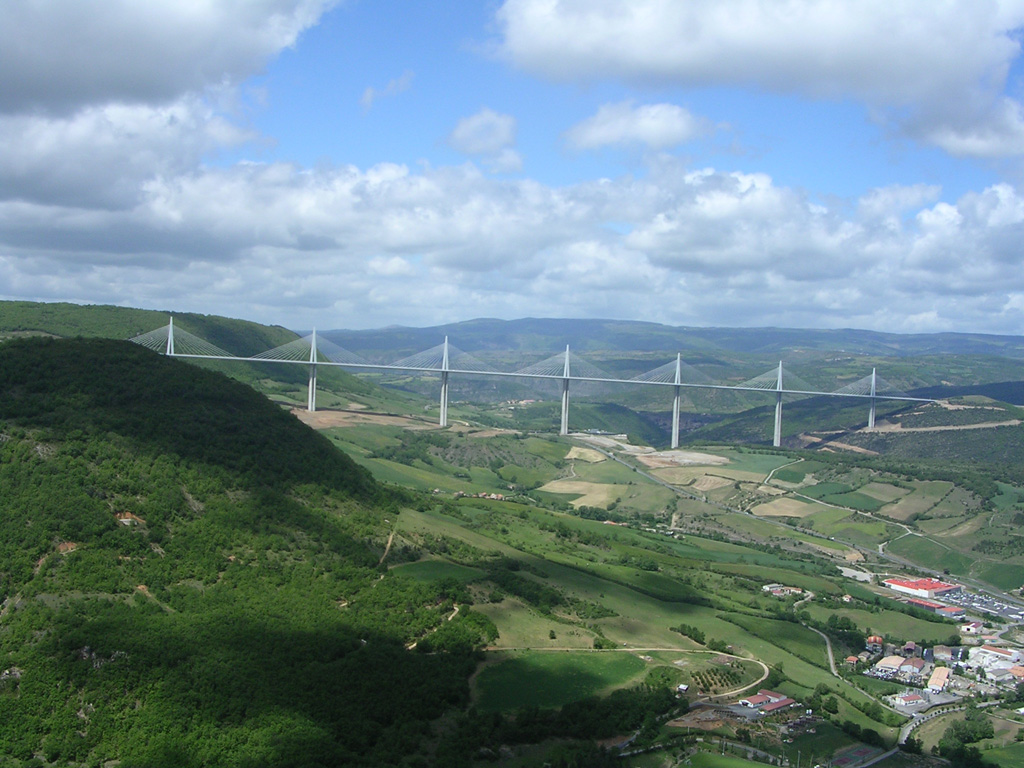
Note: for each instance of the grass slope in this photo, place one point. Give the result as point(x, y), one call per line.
point(190, 577)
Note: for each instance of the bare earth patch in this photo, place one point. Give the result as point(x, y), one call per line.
point(585, 454)
point(685, 475)
point(710, 483)
point(889, 427)
point(681, 459)
point(612, 443)
point(486, 432)
point(330, 419)
point(784, 508)
point(591, 494)
point(832, 445)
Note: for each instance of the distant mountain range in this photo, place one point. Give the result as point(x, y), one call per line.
point(548, 335)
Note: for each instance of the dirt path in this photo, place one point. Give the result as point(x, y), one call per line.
point(387, 548)
point(951, 428)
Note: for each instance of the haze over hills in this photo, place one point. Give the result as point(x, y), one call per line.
point(549, 335)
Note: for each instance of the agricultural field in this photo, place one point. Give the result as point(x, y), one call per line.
point(589, 607)
point(836, 510)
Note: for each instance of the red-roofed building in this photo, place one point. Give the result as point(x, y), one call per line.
point(755, 701)
point(926, 588)
point(775, 706)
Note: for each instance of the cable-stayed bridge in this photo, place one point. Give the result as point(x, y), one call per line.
point(446, 360)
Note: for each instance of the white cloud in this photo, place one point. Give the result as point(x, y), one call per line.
point(485, 133)
point(60, 55)
point(346, 247)
point(935, 70)
point(101, 156)
point(657, 126)
point(395, 86)
point(995, 132)
point(491, 136)
point(888, 204)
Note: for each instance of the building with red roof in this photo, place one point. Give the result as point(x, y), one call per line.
point(926, 588)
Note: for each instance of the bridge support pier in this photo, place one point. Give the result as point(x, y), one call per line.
point(564, 428)
point(777, 436)
point(311, 393)
point(170, 338)
point(871, 413)
point(443, 421)
point(445, 367)
point(675, 402)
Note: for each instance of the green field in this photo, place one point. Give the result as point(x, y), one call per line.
point(1003, 575)
point(551, 679)
point(715, 760)
point(854, 500)
point(1006, 757)
point(888, 622)
point(760, 463)
point(431, 570)
point(927, 552)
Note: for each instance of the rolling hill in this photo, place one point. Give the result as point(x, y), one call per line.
point(189, 576)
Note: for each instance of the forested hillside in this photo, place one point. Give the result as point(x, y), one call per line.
point(190, 576)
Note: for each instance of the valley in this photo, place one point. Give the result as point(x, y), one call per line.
point(177, 546)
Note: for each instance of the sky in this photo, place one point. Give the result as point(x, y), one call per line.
point(358, 164)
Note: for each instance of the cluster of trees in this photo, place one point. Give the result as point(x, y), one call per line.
point(632, 711)
point(240, 618)
point(540, 596)
point(957, 742)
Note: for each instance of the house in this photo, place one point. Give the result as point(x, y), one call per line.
point(942, 653)
point(763, 698)
point(972, 628)
point(852, 659)
point(1000, 675)
point(775, 706)
point(912, 666)
point(939, 679)
point(994, 653)
point(908, 699)
point(127, 518)
point(890, 664)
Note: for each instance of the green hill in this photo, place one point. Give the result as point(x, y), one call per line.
point(285, 383)
point(189, 576)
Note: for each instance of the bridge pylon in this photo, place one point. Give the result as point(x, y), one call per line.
point(311, 392)
point(564, 428)
point(677, 390)
point(777, 436)
point(871, 413)
point(445, 368)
